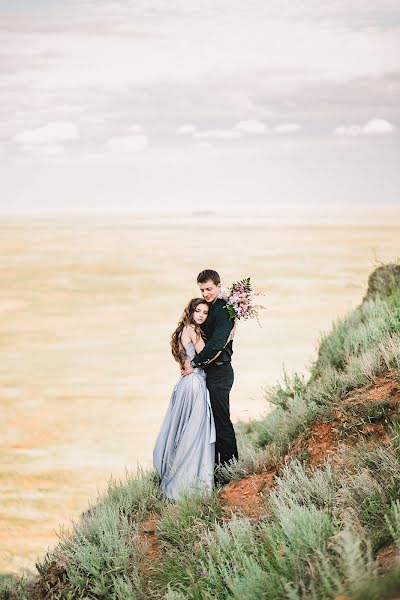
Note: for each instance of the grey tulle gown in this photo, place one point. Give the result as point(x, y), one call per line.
point(184, 452)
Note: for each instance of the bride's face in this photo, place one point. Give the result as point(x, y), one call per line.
point(200, 314)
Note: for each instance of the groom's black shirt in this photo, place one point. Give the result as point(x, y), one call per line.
point(216, 329)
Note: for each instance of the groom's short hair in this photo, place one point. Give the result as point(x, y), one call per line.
point(207, 275)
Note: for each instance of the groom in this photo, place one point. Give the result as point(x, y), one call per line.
point(217, 329)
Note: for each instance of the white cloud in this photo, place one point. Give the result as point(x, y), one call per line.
point(42, 150)
point(348, 130)
point(127, 144)
point(168, 48)
point(217, 134)
point(51, 133)
point(252, 126)
point(204, 144)
point(72, 108)
point(288, 128)
point(378, 126)
point(94, 156)
point(108, 66)
point(95, 119)
point(232, 58)
point(186, 129)
point(135, 128)
point(372, 127)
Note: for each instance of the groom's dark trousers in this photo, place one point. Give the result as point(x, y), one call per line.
point(219, 383)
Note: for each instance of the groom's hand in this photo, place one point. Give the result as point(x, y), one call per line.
point(233, 331)
point(187, 368)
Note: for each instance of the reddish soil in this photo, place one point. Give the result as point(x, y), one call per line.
point(52, 583)
point(152, 550)
point(385, 386)
point(322, 439)
point(387, 557)
point(247, 496)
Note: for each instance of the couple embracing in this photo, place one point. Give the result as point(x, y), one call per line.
point(197, 433)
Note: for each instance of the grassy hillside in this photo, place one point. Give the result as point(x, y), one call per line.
point(311, 510)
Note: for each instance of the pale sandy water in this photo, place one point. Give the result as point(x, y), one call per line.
point(87, 306)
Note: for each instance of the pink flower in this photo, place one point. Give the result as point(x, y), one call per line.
point(239, 301)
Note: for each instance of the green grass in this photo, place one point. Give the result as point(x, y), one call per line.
point(15, 587)
point(361, 346)
point(103, 553)
point(320, 540)
point(322, 527)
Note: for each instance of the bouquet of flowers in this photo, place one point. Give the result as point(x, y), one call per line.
point(239, 300)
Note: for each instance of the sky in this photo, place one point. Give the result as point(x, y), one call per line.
point(180, 105)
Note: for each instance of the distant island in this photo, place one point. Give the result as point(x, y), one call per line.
point(203, 213)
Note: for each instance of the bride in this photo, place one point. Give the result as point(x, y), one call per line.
point(184, 452)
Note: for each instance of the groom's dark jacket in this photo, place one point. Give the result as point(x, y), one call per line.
point(216, 329)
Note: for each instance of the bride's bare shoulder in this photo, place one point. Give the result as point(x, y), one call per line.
point(189, 331)
point(186, 331)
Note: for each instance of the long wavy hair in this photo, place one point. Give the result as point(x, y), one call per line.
point(186, 319)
